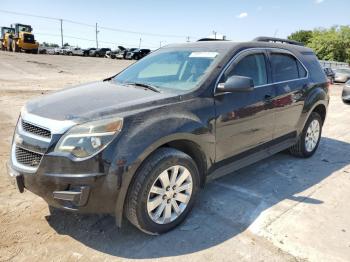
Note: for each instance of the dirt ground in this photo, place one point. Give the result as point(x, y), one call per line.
point(280, 209)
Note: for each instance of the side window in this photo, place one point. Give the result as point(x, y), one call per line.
point(253, 66)
point(285, 67)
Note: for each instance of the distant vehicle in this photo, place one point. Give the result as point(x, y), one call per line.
point(77, 51)
point(50, 51)
point(137, 54)
point(100, 52)
point(5, 37)
point(64, 50)
point(113, 54)
point(42, 50)
point(23, 39)
point(346, 93)
point(330, 74)
point(86, 52)
point(342, 75)
point(122, 54)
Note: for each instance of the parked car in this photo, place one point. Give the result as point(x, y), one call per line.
point(65, 50)
point(137, 53)
point(122, 53)
point(57, 51)
point(342, 75)
point(76, 51)
point(346, 93)
point(100, 52)
point(330, 74)
point(113, 54)
point(42, 50)
point(86, 52)
point(50, 51)
point(142, 143)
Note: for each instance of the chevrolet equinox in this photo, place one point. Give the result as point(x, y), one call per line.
point(141, 144)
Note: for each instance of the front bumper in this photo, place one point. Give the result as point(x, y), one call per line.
point(89, 186)
point(82, 192)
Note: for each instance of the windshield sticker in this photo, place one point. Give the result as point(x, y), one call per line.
point(204, 54)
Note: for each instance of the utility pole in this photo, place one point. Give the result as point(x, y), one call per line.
point(188, 39)
point(61, 32)
point(97, 36)
point(214, 33)
point(140, 42)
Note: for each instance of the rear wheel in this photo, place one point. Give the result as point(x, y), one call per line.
point(310, 137)
point(35, 51)
point(163, 191)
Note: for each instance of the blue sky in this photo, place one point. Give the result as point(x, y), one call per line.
point(240, 20)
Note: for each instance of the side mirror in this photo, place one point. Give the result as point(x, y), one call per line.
point(236, 84)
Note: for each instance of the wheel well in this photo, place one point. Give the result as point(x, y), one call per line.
point(195, 152)
point(321, 110)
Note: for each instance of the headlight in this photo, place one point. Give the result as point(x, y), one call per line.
point(89, 138)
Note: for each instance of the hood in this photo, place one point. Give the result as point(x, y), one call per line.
point(95, 100)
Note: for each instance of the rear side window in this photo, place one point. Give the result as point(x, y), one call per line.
point(253, 66)
point(285, 67)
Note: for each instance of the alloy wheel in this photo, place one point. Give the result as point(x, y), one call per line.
point(170, 194)
point(312, 135)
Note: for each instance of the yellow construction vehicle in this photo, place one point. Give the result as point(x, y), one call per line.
point(6, 34)
point(23, 39)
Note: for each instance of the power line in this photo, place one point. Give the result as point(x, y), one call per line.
point(90, 25)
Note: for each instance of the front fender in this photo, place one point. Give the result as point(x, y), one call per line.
point(142, 137)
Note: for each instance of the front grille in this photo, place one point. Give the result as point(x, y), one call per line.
point(39, 131)
point(27, 158)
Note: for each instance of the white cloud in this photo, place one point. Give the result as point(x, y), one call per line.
point(319, 1)
point(242, 15)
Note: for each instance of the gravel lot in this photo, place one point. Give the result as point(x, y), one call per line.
point(280, 209)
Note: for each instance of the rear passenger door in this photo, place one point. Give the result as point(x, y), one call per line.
point(289, 78)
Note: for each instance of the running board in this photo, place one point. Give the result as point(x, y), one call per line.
point(251, 159)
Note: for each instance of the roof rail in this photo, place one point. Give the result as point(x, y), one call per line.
point(275, 40)
point(210, 39)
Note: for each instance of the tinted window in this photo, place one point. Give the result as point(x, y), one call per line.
point(253, 66)
point(285, 67)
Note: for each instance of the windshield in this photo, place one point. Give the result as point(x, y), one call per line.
point(24, 28)
point(170, 70)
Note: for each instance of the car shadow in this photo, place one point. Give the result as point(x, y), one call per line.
point(225, 208)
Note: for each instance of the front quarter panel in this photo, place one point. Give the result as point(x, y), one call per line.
point(144, 132)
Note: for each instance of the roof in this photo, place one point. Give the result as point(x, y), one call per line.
point(230, 45)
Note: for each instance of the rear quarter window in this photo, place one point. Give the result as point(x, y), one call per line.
point(285, 67)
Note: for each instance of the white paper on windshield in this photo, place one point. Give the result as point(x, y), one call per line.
point(204, 54)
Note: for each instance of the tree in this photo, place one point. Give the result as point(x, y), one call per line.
point(302, 36)
point(66, 44)
point(328, 44)
point(49, 44)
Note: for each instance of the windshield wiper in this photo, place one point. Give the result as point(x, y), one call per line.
point(148, 86)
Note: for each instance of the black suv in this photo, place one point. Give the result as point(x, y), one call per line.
point(143, 142)
point(137, 53)
point(99, 52)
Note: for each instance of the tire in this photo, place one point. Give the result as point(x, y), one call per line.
point(97, 55)
point(15, 47)
point(300, 149)
point(139, 195)
point(9, 45)
point(34, 51)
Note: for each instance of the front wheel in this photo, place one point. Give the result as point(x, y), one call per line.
point(163, 191)
point(309, 138)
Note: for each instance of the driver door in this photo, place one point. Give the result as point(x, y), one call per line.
point(244, 120)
